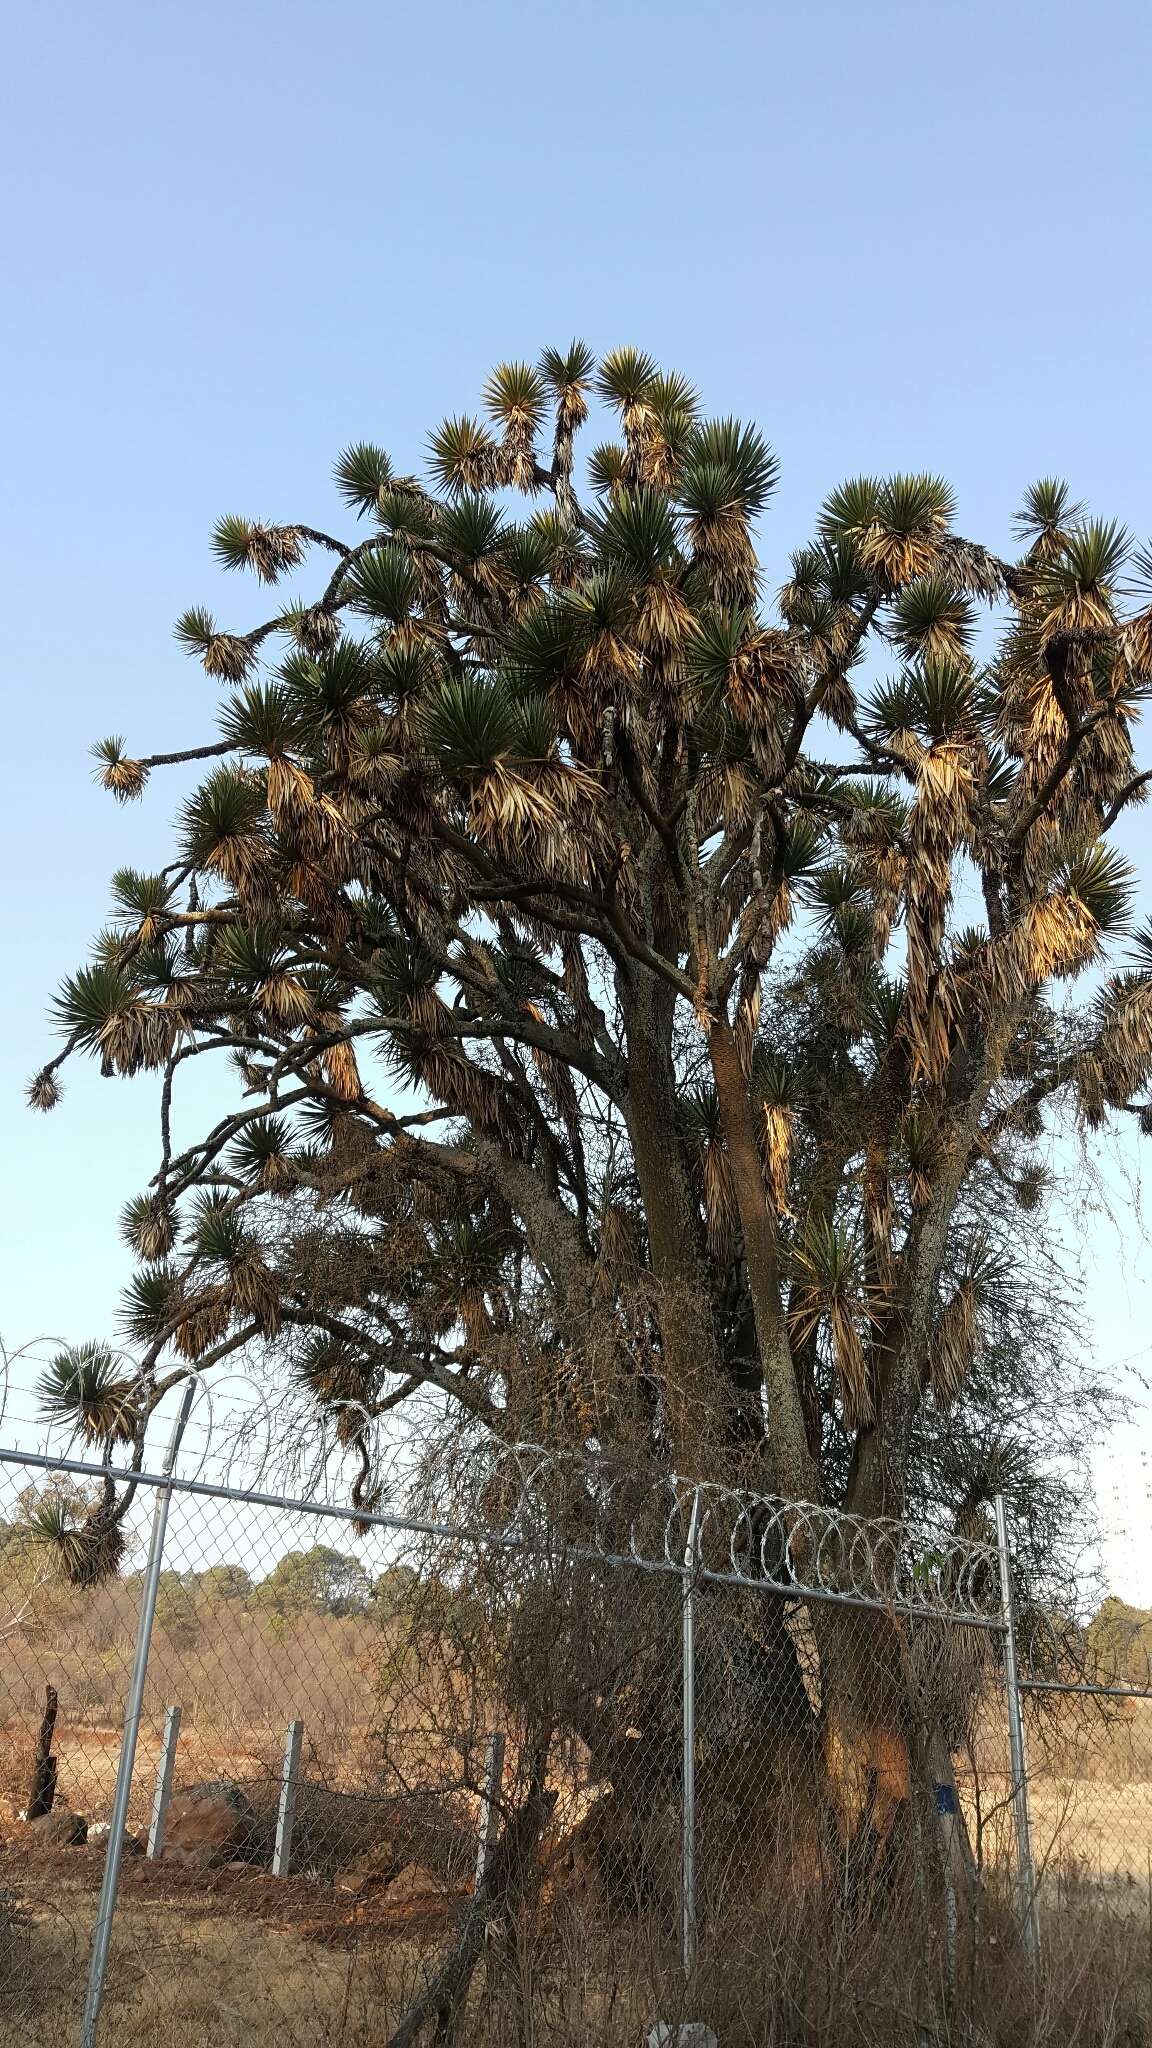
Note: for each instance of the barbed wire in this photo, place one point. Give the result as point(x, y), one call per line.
point(597, 1505)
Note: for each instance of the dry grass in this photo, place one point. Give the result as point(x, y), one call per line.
point(231, 1957)
point(187, 1974)
point(238, 1960)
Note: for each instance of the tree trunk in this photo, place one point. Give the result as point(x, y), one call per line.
point(692, 1363)
point(866, 1742)
point(878, 1481)
point(42, 1795)
point(794, 1471)
point(500, 1893)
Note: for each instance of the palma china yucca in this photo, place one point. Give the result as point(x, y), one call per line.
point(642, 997)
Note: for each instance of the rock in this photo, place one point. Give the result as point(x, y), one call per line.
point(615, 1853)
point(58, 1830)
point(208, 1825)
point(689, 2034)
point(100, 1834)
point(375, 1867)
point(334, 1832)
point(412, 1883)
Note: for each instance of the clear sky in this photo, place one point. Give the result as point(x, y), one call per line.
point(238, 236)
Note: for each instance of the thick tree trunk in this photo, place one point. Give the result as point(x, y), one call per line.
point(42, 1793)
point(692, 1363)
point(866, 1742)
point(879, 1474)
point(794, 1471)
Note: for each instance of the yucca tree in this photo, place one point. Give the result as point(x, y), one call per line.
point(645, 884)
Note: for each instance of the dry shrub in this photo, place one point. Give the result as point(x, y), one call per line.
point(13, 1944)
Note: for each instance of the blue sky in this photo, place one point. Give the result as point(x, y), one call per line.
point(239, 236)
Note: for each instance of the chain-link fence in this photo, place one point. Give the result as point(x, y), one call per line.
point(556, 1751)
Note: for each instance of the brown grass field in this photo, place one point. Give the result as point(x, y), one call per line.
point(233, 1958)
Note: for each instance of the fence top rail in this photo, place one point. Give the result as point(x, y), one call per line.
point(524, 1498)
point(1087, 1687)
point(1110, 1655)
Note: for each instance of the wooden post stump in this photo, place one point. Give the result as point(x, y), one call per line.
point(43, 1792)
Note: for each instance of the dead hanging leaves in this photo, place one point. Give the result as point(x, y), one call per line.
point(703, 1128)
point(941, 818)
point(1057, 935)
point(829, 1291)
point(953, 1345)
point(955, 1341)
point(1118, 1064)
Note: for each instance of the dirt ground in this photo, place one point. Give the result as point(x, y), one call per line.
point(237, 1959)
point(231, 1957)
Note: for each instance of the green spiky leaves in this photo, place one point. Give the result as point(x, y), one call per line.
point(931, 619)
point(88, 1545)
point(334, 1374)
point(852, 508)
point(567, 370)
point(675, 402)
point(149, 1303)
point(722, 456)
point(897, 524)
point(115, 770)
point(146, 1227)
point(1078, 587)
point(886, 1000)
point(141, 899)
point(829, 1292)
point(464, 457)
point(100, 1009)
point(382, 584)
point(247, 544)
point(626, 376)
point(228, 656)
point(248, 1286)
point(331, 694)
point(956, 1339)
point(260, 720)
point(470, 724)
point(801, 848)
point(516, 396)
point(89, 1388)
point(934, 701)
point(257, 962)
point(222, 828)
point(526, 556)
point(362, 473)
point(471, 531)
point(262, 1152)
point(218, 1229)
point(606, 467)
point(1100, 879)
point(1048, 513)
point(638, 531)
point(1141, 942)
point(714, 647)
point(1086, 902)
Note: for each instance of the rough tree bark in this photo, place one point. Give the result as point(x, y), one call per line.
point(42, 1794)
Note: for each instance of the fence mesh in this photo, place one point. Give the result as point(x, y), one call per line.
point(558, 1754)
point(1087, 1694)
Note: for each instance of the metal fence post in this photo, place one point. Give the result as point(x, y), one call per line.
point(286, 1812)
point(114, 1857)
point(1025, 1865)
point(489, 1804)
point(688, 1742)
point(163, 1791)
